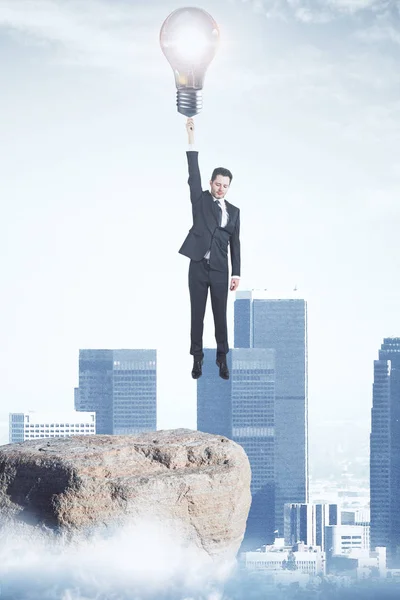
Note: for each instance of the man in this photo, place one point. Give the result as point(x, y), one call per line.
point(216, 223)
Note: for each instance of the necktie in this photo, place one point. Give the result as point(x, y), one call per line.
point(219, 206)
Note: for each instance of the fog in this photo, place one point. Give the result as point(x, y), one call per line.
point(136, 562)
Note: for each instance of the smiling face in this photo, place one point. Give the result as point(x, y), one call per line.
point(219, 186)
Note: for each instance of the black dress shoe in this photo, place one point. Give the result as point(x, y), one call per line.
point(196, 371)
point(223, 368)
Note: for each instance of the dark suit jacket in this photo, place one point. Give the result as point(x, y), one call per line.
point(206, 233)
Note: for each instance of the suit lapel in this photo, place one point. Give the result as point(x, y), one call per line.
point(211, 213)
point(231, 211)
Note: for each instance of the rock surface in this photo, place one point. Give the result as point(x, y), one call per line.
point(197, 483)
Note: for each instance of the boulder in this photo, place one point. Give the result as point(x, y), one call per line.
point(196, 483)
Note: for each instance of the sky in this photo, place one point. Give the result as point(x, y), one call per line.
point(301, 103)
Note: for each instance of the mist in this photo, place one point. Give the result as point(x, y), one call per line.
point(138, 562)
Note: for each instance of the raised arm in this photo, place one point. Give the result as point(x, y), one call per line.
point(194, 180)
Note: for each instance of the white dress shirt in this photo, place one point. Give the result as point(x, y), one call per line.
point(224, 216)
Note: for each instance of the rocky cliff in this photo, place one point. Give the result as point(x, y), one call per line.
point(198, 484)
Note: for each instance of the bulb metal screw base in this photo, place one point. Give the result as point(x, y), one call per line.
point(189, 101)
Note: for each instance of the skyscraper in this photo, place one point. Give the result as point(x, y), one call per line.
point(306, 523)
point(121, 387)
point(262, 321)
point(242, 409)
point(385, 451)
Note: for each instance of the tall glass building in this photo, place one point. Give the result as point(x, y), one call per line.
point(242, 409)
point(385, 451)
point(262, 321)
point(120, 386)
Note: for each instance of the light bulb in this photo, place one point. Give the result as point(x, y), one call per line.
point(189, 39)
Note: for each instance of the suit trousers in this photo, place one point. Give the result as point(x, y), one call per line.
point(202, 277)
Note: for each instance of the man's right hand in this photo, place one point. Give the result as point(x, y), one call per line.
point(190, 130)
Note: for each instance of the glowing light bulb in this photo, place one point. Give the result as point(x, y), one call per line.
point(189, 39)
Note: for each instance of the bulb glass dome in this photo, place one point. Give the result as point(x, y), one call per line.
point(189, 39)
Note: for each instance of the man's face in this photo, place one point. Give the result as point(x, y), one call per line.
point(219, 186)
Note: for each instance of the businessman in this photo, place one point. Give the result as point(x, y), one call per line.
point(216, 225)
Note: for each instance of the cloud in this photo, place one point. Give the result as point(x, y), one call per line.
point(95, 32)
point(382, 31)
point(319, 11)
point(139, 561)
point(124, 36)
point(353, 6)
point(142, 560)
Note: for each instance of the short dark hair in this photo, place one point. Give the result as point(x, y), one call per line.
point(223, 172)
